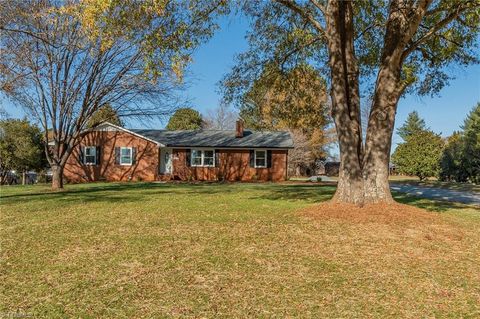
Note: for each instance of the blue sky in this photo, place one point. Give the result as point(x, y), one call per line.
point(212, 60)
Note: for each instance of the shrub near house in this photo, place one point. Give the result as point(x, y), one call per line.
point(112, 153)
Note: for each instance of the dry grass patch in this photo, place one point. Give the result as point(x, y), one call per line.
point(406, 260)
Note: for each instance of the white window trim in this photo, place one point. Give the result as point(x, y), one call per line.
point(131, 156)
point(202, 152)
point(255, 158)
point(85, 155)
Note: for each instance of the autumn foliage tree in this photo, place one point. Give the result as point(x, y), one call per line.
point(390, 47)
point(294, 100)
point(63, 60)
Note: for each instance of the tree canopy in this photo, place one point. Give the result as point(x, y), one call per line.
point(452, 162)
point(288, 33)
point(185, 119)
point(21, 146)
point(295, 99)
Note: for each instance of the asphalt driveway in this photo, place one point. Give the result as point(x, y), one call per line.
point(464, 197)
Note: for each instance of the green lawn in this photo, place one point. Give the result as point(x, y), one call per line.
point(235, 250)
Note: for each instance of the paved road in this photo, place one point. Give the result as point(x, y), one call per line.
point(438, 193)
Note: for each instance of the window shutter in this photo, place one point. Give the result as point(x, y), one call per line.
point(252, 158)
point(97, 157)
point(269, 159)
point(217, 158)
point(134, 155)
point(117, 155)
point(187, 157)
point(80, 155)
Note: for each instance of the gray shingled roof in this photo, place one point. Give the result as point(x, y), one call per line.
point(217, 138)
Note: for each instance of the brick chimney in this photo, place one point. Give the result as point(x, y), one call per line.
point(239, 128)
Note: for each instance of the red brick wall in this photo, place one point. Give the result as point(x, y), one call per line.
point(234, 166)
point(145, 168)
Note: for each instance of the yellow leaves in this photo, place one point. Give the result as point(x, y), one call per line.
point(93, 14)
point(92, 10)
point(162, 33)
point(178, 65)
point(409, 74)
point(155, 7)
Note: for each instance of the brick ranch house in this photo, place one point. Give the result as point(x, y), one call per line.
point(113, 153)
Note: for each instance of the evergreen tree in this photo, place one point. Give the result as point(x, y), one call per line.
point(471, 148)
point(185, 119)
point(461, 158)
point(452, 162)
point(413, 124)
point(419, 155)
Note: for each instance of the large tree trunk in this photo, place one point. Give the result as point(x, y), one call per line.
point(57, 177)
point(60, 153)
point(345, 96)
point(363, 176)
point(378, 145)
point(379, 134)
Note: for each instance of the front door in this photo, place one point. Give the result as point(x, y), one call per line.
point(166, 161)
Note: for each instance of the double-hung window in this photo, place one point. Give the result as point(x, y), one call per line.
point(260, 158)
point(196, 158)
point(125, 156)
point(208, 158)
point(203, 158)
point(90, 155)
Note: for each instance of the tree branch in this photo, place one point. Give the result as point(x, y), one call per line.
point(433, 30)
point(31, 34)
point(319, 6)
point(293, 6)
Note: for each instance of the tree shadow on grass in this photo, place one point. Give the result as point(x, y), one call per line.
point(116, 192)
point(309, 193)
point(429, 204)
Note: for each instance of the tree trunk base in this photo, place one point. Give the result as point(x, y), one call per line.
point(363, 191)
point(57, 178)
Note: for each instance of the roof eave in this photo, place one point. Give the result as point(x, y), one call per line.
point(230, 147)
point(127, 131)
